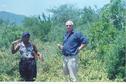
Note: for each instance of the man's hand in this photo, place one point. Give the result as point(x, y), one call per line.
point(81, 47)
point(60, 46)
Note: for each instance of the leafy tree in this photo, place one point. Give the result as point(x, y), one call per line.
point(64, 13)
point(39, 26)
point(117, 13)
point(88, 15)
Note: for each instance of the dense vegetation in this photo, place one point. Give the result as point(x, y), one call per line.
point(104, 58)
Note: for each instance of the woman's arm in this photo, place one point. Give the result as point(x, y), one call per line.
point(37, 54)
point(15, 46)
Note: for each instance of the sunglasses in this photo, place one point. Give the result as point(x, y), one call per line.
point(68, 25)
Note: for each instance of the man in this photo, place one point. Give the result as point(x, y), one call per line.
point(72, 44)
point(28, 55)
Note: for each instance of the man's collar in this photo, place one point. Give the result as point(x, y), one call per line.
point(70, 32)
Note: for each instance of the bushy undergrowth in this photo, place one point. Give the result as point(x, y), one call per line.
point(103, 59)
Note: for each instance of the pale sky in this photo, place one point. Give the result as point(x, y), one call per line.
point(36, 7)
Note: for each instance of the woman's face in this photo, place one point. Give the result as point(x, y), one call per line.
point(26, 39)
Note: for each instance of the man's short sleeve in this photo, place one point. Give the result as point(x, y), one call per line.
point(83, 39)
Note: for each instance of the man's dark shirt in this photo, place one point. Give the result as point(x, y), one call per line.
point(71, 43)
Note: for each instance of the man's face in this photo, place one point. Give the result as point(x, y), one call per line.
point(69, 27)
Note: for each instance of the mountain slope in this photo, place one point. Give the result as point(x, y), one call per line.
point(11, 17)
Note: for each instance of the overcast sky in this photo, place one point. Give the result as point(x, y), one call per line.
point(36, 7)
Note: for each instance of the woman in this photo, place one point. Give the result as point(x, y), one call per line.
point(28, 55)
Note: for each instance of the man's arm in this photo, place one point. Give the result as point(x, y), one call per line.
point(83, 39)
point(81, 46)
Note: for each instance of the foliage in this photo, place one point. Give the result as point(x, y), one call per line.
point(64, 13)
point(39, 27)
point(102, 60)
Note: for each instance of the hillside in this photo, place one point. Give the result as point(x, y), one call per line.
point(11, 17)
